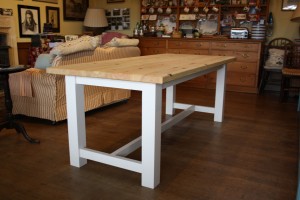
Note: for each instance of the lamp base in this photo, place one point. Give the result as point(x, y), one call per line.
point(95, 30)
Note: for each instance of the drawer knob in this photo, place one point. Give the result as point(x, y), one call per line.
point(244, 67)
point(243, 79)
point(198, 45)
point(245, 55)
point(178, 44)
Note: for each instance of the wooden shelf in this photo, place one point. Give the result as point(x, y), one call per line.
point(222, 11)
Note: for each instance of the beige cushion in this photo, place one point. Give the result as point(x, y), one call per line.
point(121, 42)
point(83, 43)
point(275, 60)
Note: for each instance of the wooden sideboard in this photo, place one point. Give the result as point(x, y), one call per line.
point(242, 75)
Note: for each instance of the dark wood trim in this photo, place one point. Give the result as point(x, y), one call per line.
point(23, 52)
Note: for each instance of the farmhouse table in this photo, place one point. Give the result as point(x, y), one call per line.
point(150, 75)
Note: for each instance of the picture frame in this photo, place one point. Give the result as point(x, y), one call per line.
point(48, 1)
point(52, 16)
point(115, 1)
point(118, 18)
point(289, 5)
point(29, 20)
point(75, 11)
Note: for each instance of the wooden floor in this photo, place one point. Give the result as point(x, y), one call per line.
point(252, 155)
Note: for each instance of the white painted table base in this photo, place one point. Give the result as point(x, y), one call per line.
point(150, 139)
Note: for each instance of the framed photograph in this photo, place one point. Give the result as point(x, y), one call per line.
point(119, 18)
point(29, 20)
point(48, 1)
point(115, 1)
point(116, 12)
point(289, 5)
point(75, 10)
point(52, 16)
point(6, 11)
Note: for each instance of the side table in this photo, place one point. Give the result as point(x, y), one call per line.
point(10, 122)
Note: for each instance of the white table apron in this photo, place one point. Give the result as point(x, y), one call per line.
point(150, 139)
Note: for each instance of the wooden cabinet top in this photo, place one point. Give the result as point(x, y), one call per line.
point(212, 39)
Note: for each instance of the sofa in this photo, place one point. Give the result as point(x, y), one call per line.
point(36, 93)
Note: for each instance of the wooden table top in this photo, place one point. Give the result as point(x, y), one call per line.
point(160, 68)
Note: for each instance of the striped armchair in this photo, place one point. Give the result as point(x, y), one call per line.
point(38, 94)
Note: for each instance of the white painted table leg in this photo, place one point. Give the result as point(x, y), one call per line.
point(220, 94)
point(151, 134)
point(76, 120)
point(170, 99)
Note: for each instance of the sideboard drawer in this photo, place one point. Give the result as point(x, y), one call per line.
point(235, 46)
point(223, 45)
point(189, 51)
point(153, 43)
point(247, 47)
point(222, 53)
point(188, 45)
point(151, 51)
point(245, 56)
point(241, 79)
point(240, 55)
point(248, 67)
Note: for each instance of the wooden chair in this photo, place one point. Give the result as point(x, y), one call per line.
point(290, 74)
point(272, 50)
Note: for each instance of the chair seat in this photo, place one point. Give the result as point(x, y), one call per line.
point(291, 72)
